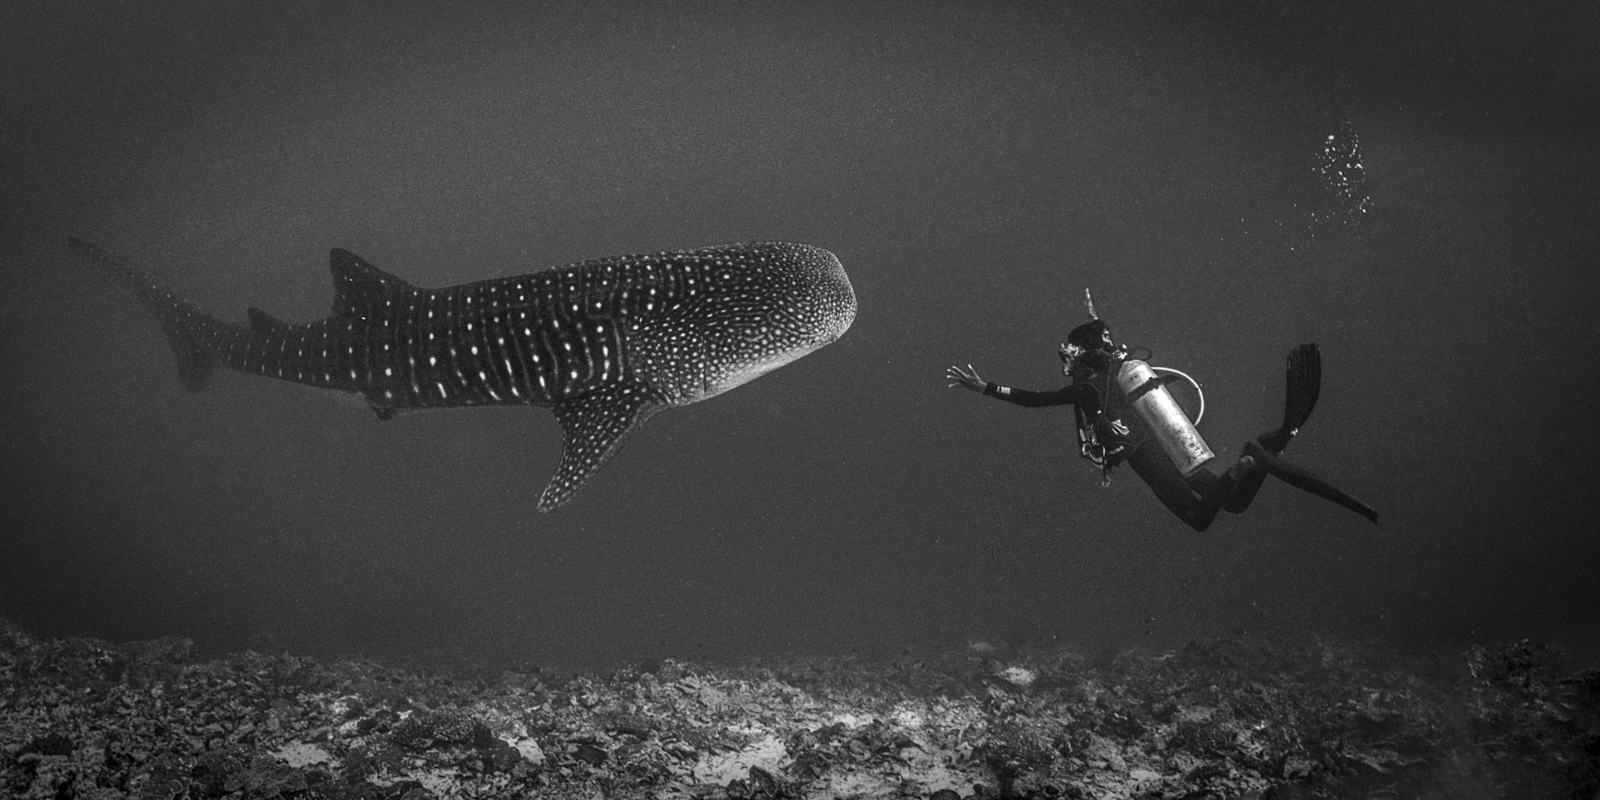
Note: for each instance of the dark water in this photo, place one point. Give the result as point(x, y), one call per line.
point(975, 166)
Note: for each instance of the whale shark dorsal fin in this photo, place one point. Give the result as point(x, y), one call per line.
point(595, 425)
point(359, 287)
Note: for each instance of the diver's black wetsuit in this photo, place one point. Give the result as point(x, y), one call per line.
point(1195, 499)
point(1111, 430)
point(1076, 394)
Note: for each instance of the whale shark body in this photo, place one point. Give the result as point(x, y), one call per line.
point(604, 343)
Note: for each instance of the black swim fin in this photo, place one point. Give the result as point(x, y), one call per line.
point(1302, 387)
point(1304, 480)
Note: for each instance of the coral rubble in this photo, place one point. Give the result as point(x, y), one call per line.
point(1219, 718)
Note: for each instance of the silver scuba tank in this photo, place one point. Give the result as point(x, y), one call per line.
point(1164, 417)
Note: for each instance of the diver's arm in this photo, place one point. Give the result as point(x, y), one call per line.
point(1065, 396)
point(968, 379)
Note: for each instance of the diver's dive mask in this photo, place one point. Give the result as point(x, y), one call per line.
point(1069, 353)
point(1089, 347)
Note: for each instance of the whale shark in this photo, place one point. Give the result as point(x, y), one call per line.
point(604, 343)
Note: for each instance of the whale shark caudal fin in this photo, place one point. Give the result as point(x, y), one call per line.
point(187, 328)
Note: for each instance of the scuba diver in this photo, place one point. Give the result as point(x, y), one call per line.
point(1125, 413)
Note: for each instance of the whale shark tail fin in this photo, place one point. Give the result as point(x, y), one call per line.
point(194, 360)
point(189, 330)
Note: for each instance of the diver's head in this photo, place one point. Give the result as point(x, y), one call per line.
point(1092, 335)
point(1088, 349)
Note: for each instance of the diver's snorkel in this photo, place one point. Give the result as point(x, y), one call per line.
point(1089, 348)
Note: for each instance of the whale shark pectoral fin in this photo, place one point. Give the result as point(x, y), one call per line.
point(596, 424)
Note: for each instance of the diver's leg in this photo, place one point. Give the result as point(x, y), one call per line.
point(1232, 490)
point(1152, 465)
point(1248, 480)
point(1302, 387)
point(1237, 488)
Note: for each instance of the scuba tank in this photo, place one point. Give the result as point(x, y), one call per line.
point(1148, 395)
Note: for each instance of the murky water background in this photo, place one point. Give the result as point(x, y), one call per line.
point(974, 166)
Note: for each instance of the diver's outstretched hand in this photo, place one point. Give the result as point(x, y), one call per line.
point(965, 378)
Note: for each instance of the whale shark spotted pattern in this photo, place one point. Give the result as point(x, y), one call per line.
point(605, 343)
